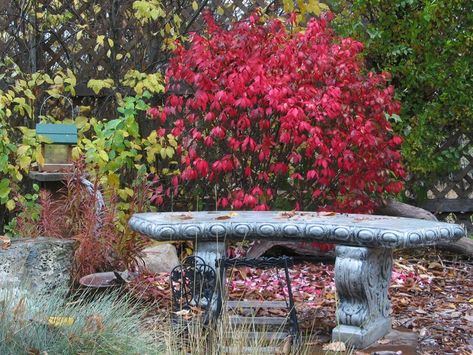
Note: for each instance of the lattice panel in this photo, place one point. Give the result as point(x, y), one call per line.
point(35, 44)
point(454, 193)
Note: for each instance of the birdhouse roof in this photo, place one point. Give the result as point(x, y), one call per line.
point(58, 133)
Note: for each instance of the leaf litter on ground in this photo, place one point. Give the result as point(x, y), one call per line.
point(431, 295)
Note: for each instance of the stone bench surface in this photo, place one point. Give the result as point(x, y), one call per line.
point(363, 253)
point(347, 229)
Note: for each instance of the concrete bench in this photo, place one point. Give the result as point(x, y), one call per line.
point(364, 245)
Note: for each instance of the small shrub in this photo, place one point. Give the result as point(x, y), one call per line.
point(108, 325)
point(265, 114)
point(98, 223)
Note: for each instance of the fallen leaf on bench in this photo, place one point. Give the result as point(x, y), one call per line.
point(288, 214)
point(327, 213)
point(227, 216)
point(336, 346)
point(185, 216)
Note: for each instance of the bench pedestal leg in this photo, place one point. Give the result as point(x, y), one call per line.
point(362, 277)
point(210, 252)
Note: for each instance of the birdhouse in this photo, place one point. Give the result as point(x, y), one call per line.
point(57, 152)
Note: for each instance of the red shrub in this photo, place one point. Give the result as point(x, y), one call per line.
point(280, 116)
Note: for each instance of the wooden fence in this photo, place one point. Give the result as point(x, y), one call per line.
point(453, 192)
point(37, 44)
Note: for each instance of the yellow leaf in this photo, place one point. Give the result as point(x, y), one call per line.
point(22, 150)
point(60, 321)
point(39, 157)
point(129, 191)
point(220, 11)
point(152, 137)
point(100, 40)
point(58, 80)
point(24, 162)
point(103, 154)
point(119, 56)
point(76, 153)
point(169, 152)
point(122, 194)
point(288, 5)
point(110, 42)
point(11, 205)
point(97, 85)
point(195, 5)
point(113, 180)
point(177, 20)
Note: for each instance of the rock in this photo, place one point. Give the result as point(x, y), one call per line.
point(41, 264)
point(160, 258)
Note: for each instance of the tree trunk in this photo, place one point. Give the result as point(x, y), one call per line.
point(395, 208)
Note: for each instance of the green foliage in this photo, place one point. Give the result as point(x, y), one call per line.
point(427, 46)
point(33, 323)
point(117, 150)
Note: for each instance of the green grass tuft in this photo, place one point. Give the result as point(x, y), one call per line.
point(106, 325)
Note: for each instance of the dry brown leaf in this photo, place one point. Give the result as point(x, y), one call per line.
point(335, 346)
point(182, 312)
point(288, 214)
point(19, 309)
point(327, 213)
point(384, 341)
point(286, 348)
point(435, 266)
point(227, 216)
point(185, 216)
point(5, 242)
point(94, 323)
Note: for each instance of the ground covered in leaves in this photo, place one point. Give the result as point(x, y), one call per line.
point(431, 294)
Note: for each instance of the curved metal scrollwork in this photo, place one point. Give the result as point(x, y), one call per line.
point(193, 285)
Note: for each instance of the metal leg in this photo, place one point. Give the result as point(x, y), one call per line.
point(362, 277)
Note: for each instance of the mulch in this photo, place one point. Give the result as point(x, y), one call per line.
point(431, 294)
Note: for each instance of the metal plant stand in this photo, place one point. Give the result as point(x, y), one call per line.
point(283, 262)
point(193, 284)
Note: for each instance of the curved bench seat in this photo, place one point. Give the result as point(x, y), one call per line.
point(347, 229)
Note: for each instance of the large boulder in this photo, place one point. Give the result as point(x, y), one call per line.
point(160, 258)
point(42, 264)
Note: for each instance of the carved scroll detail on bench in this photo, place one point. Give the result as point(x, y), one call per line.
point(362, 282)
point(356, 230)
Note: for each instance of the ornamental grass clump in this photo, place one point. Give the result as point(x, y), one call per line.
point(265, 115)
point(47, 324)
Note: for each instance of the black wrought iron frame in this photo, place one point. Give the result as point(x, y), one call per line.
point(284, 262)
point(193, 284)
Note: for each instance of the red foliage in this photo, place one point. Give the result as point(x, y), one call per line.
point(275, 112)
